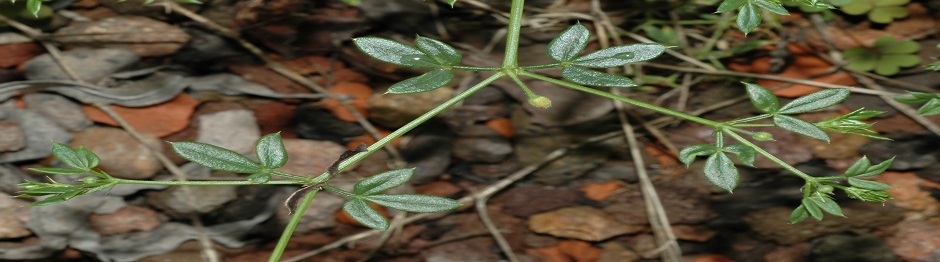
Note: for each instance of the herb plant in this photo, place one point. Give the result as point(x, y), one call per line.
point(886, 57)
point(578, 73)
point(879, 11)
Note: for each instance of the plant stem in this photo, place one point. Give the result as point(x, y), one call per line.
point(662, 110)
point(770, 156)
point(536, 67)
point(474, 68)
point(511, 58)
point(295, 218)
point(205, 183)
point(291, 226)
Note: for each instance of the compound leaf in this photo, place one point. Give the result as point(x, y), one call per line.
point(689, 153)
point(365, 214)
point(745, 154)
point(569, 43)
point(748, 18)
point(382, 182)
point(215, 157)
point(270, 151)
point(589, 77)
point(395, 52)
point(415, 202)
point(868, 184)
point(620, 55)
point(799, 214)
point(719, 170)
point(815, 101)
point(762, 98)
point(443, 53)
point(428, 81)
point(798, 126)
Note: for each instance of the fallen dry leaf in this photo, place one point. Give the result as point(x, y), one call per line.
point(566, 251)
point(580, 222)
point(160, 120)
point(909, 191)
point(600, 191)
point(359, 100)
point(502, 125)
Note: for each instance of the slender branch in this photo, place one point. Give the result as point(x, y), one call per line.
point(204, 183)
point(291, 226)
point(511, 58)
point(633, 102)
point(770, 156)
point(305, 203)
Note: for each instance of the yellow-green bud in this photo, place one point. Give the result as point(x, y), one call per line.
point(825, 189)
point(540, 102)
point(763, 136)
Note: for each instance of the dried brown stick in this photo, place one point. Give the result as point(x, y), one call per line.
point(209, 253)
point(662, 229)
point(283, 70)
point(466, 200)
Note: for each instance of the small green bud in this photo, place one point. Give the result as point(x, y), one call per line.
point(89, 180)
point(763, 136)
point(825, 189)
point(540, 102)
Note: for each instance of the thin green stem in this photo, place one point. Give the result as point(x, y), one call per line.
point(755, 125)
point(770, 156)
point(636, 103)
point(302, 207)
point(474, 68)
point(291, 226)
point(536, 67)
point(291, 176)
point(511, 58)
point(204, 183)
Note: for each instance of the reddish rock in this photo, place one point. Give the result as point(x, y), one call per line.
point(13, 217)
point(275, 117)
point(916, 240)
point(568, 250)
point(18, 53)
point(580, 222)
point(359, 100)
point(127, 219)
point(794, 253)
point(310, 157)
point(693, 233)
point(11, 136)
point(121, 155)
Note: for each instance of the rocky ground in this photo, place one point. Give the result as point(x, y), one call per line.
point(177, 79)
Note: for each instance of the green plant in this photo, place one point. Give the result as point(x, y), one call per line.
point(886, 57)
point(931, 102)
point(817, 191)
point(566, 50)
point(749, 10)
point(935, 66)
point(879, 11)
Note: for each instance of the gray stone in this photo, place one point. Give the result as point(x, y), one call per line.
point(63, 111)
point(12, 217)
point(395, 110)
point(429, 152)
point(40, 134)
point(310, 157)
point(236, 130)
point(616, 170)
point(11, 137)
point(851, 248)
point(314, 123)
point(10, 177)
point(121, 155)
point(909, 151)
point(91, 65)
point(321, 213)
point(481, 144)
point(772, 223)
point(179, 202)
